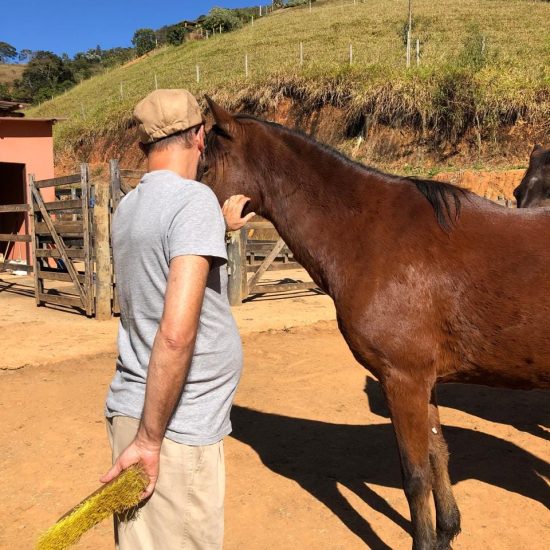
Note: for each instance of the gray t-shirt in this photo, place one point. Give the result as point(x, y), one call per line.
point(164, 217)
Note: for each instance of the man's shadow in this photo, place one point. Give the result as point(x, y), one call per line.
point(319, 455)
point(526, 411)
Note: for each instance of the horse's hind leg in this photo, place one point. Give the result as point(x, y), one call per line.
point(447, 514)
point(408, 401)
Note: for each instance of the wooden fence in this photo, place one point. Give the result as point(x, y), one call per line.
point(250, 258)
point(71, 245)
point(10, 209)
point(67, 237)
point(247, 255)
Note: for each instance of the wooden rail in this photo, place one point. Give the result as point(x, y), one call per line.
point(55, 182)
point(5, 208)
point(14, 237)
point(242, 253)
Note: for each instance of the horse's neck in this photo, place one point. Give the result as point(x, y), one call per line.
point(314, 200)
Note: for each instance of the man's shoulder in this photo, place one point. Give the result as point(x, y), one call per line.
point(191, 192)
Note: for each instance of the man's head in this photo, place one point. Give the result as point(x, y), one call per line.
point(171, 130)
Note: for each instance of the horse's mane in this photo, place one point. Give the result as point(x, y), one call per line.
point(444, 198)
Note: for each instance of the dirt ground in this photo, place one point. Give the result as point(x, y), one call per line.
point(311, 463)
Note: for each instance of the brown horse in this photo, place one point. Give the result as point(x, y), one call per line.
point(430, 283)
point(534, 189)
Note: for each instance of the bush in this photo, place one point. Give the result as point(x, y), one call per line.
point(221, 18)
point(474, 50)
point(176, 35)
point(144, 40)
point(455, 104)
point(296, 3)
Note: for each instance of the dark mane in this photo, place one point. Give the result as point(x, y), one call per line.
point(444, 198)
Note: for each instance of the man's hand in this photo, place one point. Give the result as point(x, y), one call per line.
point(232, 211)
point(138, 451)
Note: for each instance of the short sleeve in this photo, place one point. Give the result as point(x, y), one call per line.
point(197, 227)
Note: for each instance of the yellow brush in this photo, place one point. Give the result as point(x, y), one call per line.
point(117, 496)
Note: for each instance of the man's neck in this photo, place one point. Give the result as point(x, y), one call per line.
point(182, 163)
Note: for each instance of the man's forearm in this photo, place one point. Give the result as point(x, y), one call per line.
point(166, 377)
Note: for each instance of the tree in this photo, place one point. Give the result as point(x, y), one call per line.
point(45, 75)
point(144, 40)
point(176, 35)
point(221, 18)
point(5, 93)
point(116, 56)
point(7, 52)
point(25, 55)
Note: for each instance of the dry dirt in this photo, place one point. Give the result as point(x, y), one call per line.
point(312, 462)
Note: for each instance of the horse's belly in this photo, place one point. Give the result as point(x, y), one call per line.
point(508, 375)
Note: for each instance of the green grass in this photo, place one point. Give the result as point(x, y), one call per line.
point(452, 90)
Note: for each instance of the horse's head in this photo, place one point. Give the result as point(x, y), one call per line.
point(232, 160)
point(534, 189)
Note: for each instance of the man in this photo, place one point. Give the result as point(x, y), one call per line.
point(180, 353)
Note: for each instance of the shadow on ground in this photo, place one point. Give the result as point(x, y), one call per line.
point(319, 455)
point(526, 411)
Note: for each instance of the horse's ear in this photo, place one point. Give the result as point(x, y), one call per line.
point(536, 148)
point(223, 118)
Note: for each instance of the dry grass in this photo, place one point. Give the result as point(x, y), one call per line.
point(10, 73)
point(448, 93)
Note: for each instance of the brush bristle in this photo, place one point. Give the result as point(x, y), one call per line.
point(118, 496)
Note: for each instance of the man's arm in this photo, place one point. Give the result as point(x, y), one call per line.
point(168, 366)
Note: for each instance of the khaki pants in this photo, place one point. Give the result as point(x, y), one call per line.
point(186, 510)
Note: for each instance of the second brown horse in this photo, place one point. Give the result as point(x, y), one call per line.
point(430, 283)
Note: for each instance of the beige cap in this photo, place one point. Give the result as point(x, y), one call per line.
point(165, 112)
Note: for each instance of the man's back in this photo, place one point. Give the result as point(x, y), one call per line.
point(164, 217)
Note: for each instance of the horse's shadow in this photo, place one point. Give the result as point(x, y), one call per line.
point(318, 455)
point(526, 411)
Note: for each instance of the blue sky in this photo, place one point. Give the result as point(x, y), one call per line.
point(77, 25)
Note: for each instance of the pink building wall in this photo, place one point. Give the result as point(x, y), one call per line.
point(28, 142)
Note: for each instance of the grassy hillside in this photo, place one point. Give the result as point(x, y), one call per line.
point(483, 63)
point(10, 73)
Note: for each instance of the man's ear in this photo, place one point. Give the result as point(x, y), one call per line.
point(201, 139)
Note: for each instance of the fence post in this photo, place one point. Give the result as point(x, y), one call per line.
point(102, 252)
point(115, 183)
point(87, 205)
point(38, 282)
point(115, 199)
point(244, 272)
point(236, 260)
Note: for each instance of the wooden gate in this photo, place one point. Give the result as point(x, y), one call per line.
point(249, 255)
point(62, 242)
